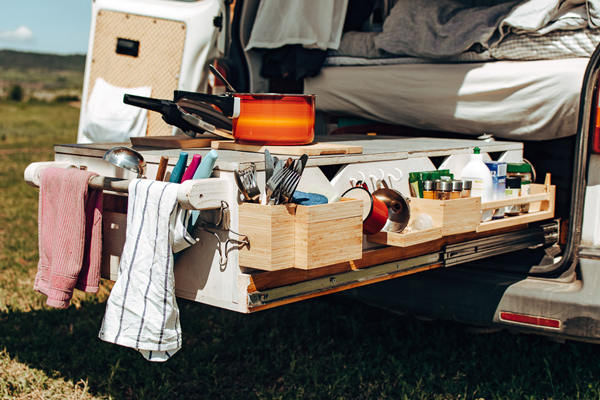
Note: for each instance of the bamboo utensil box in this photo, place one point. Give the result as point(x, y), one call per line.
point(304, 237)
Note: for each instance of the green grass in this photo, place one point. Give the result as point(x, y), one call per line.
point(326, 348)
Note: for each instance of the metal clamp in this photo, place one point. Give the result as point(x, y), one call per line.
point(223, 224)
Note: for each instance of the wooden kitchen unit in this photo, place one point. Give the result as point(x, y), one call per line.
point(246, 268)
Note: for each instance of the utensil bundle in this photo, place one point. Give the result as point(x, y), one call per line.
point(281, 177)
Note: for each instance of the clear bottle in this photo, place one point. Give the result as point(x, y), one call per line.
point(513, 190)
point(525, 172)
point(482, 185)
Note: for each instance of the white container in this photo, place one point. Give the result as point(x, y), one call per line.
point(498, 170)
point(479, 173)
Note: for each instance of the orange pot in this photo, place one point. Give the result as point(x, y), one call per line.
point(264, 118)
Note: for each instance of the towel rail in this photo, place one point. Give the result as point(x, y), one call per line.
point(194, 194)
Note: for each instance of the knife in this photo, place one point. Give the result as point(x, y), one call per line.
point(268, 165)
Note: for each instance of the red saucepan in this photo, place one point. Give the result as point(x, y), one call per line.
point(264, 118)
point(375, 211)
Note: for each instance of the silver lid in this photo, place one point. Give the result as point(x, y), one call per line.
point(444, 186)
point(428, 185)
point(467, 184)
point(457, 186)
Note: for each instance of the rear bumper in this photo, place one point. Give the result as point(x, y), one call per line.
point(478, 297)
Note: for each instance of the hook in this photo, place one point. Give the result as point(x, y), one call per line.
point(354, 182)
point(374, 181)
point(224, 220)
point(390, 177)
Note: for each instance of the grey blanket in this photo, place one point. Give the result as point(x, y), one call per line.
point(438, 29)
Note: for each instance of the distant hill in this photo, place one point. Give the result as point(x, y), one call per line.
point(10, 59)
point(41, 76)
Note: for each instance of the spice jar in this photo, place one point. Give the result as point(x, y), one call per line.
point(443, 190)
point(466, 188)
point(457, 187)
point(525, 173)
point(513, 190)
point(428, 190)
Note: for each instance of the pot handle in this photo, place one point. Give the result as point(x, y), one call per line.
point(224, 103)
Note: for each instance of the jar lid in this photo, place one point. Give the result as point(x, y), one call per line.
point(466, 183)
point(444, 186)
point(428, 185)
point(513, 182)
point(518, 167)
point(457, 186)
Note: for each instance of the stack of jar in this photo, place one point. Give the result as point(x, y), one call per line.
point(518, 183)
point(446, 189)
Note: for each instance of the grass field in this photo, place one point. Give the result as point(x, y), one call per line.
point(327, 348)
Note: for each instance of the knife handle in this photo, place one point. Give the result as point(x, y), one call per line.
point(179, 168)
point(191, 169)
point(162, 168)
point(206, 166)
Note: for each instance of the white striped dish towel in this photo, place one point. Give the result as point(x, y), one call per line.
point(141, 311)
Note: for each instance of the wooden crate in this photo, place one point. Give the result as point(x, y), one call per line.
point(541, 206)
point(270, 230)
point(328, 233)
point(305, 237)
point(454, 216)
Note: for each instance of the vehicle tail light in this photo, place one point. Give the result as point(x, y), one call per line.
point(529, 320)
point(596, 119)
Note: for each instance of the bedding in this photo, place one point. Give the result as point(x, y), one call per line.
point(520, 100)
point(449, 31)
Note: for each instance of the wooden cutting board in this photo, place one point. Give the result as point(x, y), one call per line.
point(314, 149)
point(173, 142)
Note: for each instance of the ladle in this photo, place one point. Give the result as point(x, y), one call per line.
point(129, 159)
point(222, 79)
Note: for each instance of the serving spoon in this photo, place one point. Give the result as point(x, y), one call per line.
point(126, 158)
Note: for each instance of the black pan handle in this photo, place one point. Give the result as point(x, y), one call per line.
point(170, 113)
point(158, 105)
point(224, 103)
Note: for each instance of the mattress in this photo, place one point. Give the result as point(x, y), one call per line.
point(520, 100)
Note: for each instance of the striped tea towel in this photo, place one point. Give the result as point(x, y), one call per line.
point(141, 311)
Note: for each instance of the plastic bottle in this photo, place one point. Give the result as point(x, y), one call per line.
point(481, 177)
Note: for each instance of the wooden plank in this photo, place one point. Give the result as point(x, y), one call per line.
point(314, 149)
point(173, 142)
point(406, 239)
point(539, 210)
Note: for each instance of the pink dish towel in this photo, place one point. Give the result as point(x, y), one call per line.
point(70, 235)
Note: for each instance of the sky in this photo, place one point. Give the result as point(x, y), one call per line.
point(45, 26)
